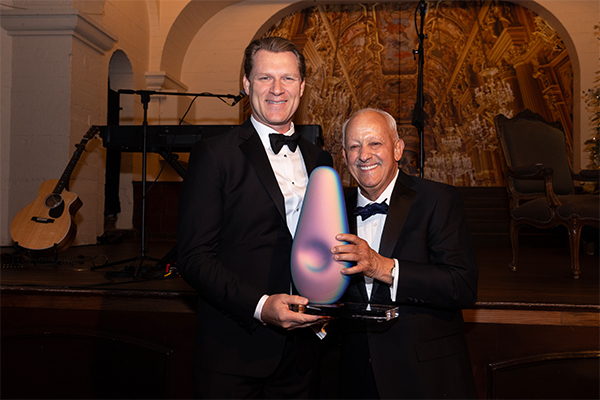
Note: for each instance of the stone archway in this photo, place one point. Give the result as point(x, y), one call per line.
point(119, 166)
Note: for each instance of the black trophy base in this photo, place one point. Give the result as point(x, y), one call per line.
point(349, 310)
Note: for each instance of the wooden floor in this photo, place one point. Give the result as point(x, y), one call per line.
point(543, 275)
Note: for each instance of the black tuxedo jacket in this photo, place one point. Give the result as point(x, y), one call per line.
point(234, 246)
point(423, 353)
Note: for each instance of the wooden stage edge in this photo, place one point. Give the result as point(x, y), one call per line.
point(507, 313)
point(177, 302)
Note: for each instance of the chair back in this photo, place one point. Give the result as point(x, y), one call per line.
point(528, 139)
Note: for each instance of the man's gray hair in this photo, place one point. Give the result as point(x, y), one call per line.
point(391, 122)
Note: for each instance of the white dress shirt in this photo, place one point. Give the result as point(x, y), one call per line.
point(371, 230)
point(290, 172)
point(292, 178)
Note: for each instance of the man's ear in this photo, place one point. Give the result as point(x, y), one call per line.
point(345, 156)
point(302, 87)
point(398, 149)
point(246, 84)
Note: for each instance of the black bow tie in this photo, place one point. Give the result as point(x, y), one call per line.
point(371, 209)
point(278, 140)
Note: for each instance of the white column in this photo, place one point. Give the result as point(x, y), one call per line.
point(59, 86)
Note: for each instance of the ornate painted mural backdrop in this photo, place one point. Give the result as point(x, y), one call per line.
point(481, 58)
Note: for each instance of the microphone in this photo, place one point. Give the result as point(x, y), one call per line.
point(239, 97)
point(131, 91)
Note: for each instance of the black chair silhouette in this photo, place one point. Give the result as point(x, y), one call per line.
point(540, 181)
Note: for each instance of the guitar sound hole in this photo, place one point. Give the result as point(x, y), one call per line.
point(57, 211)
point(53, 200)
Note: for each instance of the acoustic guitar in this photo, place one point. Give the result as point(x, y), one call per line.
point(48, 221)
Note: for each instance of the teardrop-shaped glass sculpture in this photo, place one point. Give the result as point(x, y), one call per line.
point(315, 273)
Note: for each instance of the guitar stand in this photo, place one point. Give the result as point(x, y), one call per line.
point(136, 272)
point(19, 251)
point(13, 258)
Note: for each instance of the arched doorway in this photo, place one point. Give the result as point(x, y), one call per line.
point(118, 183)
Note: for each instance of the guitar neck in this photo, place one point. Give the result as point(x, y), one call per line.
point(63, 182)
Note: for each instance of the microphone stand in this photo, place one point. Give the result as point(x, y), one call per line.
point(418, 117)
point(145, 99)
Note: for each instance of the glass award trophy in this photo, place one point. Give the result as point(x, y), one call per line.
point(315, 273)
point(349, 310)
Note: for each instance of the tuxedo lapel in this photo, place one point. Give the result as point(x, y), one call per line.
point(309, 157)
point(254, 150)
point(400, 203)
point(357, 280)
point(350, 206)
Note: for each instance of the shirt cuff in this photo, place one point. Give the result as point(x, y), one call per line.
point(394, 286)
point(259, 307)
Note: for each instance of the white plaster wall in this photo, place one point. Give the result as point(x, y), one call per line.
point(59, 88)
point(5, 106)
point(130, 21)
point(213, 62)
point(89, 87)
point(40, 115)
point(161, 18)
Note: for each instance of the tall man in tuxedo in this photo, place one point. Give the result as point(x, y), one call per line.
point(238, 209)
point(415, 252)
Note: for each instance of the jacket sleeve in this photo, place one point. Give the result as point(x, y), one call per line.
point(436, 254)
point(200, 221)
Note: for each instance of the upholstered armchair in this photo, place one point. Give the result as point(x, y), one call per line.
point(540, 181)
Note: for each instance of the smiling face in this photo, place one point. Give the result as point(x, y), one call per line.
point(372, 151)
point(274, 88)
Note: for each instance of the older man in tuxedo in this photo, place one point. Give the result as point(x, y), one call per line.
point(411, 248)
point(238, 209)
